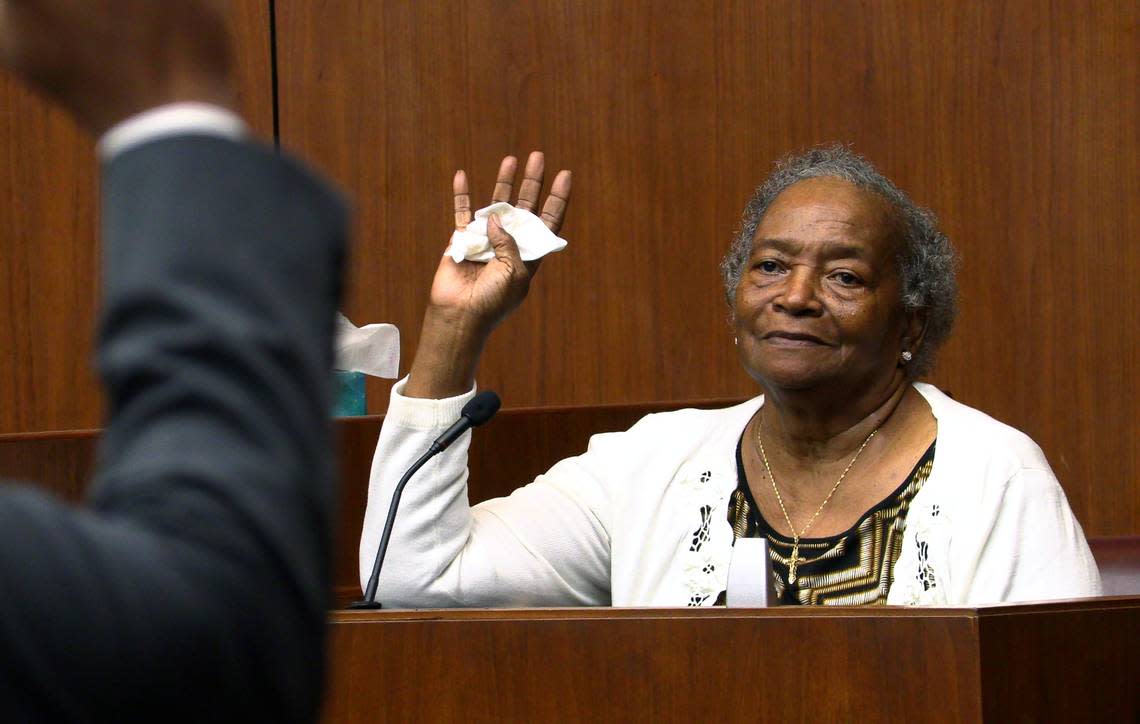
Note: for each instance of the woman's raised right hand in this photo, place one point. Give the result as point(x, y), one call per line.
point(469, 299)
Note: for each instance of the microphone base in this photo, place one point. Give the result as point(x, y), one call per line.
point(364, 606)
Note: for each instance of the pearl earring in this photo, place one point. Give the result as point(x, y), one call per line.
point(736, 341)
point(906, 356)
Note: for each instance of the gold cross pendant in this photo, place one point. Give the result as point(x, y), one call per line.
point(793, 561)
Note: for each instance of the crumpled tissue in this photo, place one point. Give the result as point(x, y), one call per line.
point(534, 239)
point(373, 349)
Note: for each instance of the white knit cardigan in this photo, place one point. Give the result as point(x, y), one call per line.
point(640, 519)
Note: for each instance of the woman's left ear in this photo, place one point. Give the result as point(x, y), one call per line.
point(913, 332)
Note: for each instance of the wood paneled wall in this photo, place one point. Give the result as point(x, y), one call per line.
point(1015, 120)
point(49, 253)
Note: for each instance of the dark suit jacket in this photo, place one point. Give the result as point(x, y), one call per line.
point(195, 586)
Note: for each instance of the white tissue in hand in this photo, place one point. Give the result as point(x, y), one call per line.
point(373, 349)
point(533, 238)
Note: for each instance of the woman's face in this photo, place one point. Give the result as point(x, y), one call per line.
point(819, 301)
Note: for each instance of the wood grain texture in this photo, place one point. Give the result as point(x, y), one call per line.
point(49, 253)
point(49, 267)
point(1058, 661)
point(631, 665)
point(60, 463)
point(1014, 120)
point(1093, 668)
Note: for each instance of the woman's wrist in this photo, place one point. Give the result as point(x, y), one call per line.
point(447, 355)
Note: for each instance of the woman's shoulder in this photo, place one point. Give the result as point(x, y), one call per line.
point(979, 436)
point(980, 461)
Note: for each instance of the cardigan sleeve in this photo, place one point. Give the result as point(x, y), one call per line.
point(993, 524)
point(1029, 548)
point(547, 544)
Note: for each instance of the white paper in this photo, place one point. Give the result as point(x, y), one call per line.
point(373, 349)
point(750, 577)
point(534, 239)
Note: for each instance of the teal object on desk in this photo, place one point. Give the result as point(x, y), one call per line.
point(350, 396)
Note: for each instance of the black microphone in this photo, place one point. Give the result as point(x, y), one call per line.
point(481, 408)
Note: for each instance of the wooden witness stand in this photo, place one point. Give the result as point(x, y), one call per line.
point(1062, 661)
point(1066, 661)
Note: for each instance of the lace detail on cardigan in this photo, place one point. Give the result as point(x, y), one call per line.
point(705, 574)
point(922, 581)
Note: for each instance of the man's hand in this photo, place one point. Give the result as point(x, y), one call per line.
point(106, 60)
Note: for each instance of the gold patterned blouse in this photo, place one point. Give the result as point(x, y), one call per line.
point(850, 569)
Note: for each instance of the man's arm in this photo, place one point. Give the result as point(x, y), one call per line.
point(195, 587)
point(199, 580)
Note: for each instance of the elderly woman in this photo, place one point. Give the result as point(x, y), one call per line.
point(870, 487)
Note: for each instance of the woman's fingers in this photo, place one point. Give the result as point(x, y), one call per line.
point(462, 200)
point(531, 186)
point(505, 183)
point(554, 210)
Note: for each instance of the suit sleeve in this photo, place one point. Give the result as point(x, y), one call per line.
point(195, 585)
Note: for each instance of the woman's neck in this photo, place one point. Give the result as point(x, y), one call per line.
point(819, 426)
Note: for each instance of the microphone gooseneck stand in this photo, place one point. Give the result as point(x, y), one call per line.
point(481, 408)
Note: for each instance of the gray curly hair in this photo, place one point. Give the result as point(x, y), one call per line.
point(927, 261)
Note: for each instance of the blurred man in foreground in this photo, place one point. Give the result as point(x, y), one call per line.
point(194, 588)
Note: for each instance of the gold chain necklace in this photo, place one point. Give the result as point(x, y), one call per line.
point(794, 560)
